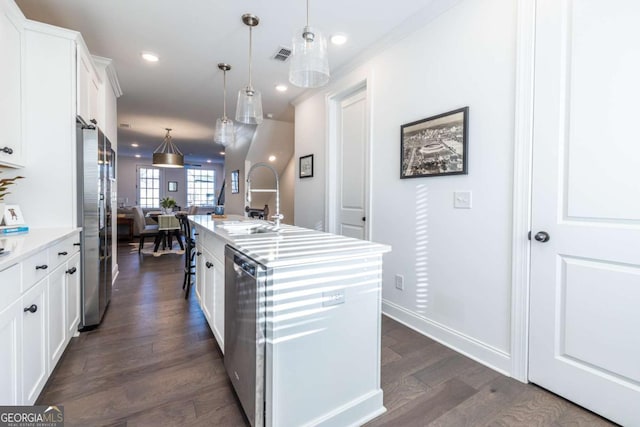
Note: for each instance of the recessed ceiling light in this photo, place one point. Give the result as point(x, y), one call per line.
point(338, 39)
point(208, 160)
point(150, 57)
point(134, 145)
point(138, 155)
point(281, 88)
point(222, 153)
point(272, 158)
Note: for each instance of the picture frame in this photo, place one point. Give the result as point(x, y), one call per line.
point(12, 215)
point(235, 182)
point(306, 166)
point(435, 146)
point(172, 186)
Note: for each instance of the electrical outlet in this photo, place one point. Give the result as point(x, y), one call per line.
point(400, 282)
point(462, 199)
point(333, 298)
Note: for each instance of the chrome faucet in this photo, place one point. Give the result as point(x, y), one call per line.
point(278, 216)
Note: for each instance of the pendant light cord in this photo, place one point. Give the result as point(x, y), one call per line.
point(250, 55)
point(307, 13)
point(224, 95)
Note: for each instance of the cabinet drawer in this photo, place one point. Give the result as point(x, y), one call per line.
point(10, 285)
point(64, 250)
point(35, 268)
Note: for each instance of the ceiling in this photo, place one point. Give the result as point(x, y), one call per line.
point(183, 90)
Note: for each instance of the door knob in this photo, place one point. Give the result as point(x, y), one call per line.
point(209, 264)
point(31, 309)
point(542, 236)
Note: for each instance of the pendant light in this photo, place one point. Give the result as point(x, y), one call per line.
point(249, 107)
point(309, 63)
point(167, 154)
point(224, 126)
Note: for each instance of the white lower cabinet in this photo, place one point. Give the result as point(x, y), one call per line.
point(39, 314)
point(207, 289)
point(11, 354)
point(210, 284)
point(73, 296)
point(35, 370)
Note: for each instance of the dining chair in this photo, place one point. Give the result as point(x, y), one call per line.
point(142, 228)
point(189, 254)
point(193, 210)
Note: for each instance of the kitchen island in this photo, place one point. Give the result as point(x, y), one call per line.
point(320, 320)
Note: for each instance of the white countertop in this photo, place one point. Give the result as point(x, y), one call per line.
point(290, 245)
point(21, 246)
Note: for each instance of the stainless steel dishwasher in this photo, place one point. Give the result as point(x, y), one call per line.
point(244, 331)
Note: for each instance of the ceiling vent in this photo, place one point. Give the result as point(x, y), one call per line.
point(193, 165)
point(125, 125)
point(282, 54)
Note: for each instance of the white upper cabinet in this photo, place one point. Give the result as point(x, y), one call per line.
point(88, 89)
point(107, 99)
point(11, 147)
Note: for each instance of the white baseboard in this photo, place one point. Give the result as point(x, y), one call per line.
point(480, 352)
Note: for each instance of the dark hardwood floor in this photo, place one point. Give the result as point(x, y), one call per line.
point(154, 362)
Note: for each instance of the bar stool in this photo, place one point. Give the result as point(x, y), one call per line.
point(189, 254)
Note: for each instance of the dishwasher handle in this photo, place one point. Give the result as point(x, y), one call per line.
point(246, 266)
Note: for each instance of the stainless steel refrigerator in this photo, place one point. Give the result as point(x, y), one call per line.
point(95, 173)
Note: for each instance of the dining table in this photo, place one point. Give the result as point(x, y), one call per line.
point(168, 225)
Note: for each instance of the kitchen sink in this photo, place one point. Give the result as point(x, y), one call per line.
point(247, 227)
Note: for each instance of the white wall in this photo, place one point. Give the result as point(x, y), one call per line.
point(127, 179)
point(455, 263)
point(254, 145)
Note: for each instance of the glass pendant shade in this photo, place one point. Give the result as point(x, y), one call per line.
point(309, 63)
point(249, 108)
point(225, 134)
point(167, 155)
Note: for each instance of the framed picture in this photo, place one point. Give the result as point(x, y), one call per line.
point(306, 166)
point(235, 182)
point(435, 146)
point(13, 215)
point(172, 186)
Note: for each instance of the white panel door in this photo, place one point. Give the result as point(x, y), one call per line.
point(35, 369)
point(585, 280)
point(57, 311)
point(352, 167)
point(73, 296)
point(11, 354)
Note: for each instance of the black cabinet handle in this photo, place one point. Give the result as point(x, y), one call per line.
point(209, 264)
point(32, 309)
point(76, 244)
point(6, 150)
point(62, 253)
point(196, 234)
point(71, 270)
point(42, 267)
point(198, 253)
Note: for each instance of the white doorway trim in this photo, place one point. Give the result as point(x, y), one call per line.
point(333, 100)
point(522, 162)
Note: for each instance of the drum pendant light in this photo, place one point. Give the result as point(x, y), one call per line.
point(224, 126)
point(249, 107)
point(167, 154)
point(309, 63)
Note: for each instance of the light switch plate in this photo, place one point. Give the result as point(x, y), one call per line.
point(462, 199)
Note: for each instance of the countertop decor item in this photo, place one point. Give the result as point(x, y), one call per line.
point(168, 204)
point(5, 183)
